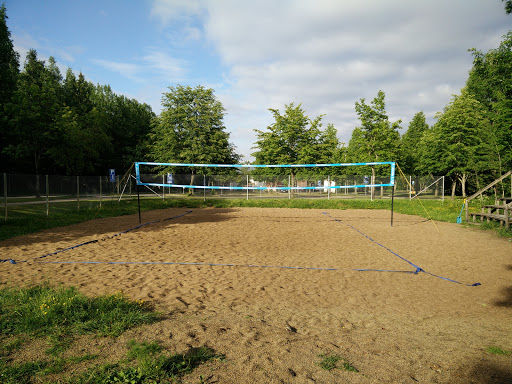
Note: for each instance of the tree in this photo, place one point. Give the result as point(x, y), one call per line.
point(81, 129)
point(9, 70)
point(378, 139)
point(190, 129)
point(490, 81)
point(295, 139)
point(508, 6)
point(35, 104)
point(461, 142)
point(410, 142)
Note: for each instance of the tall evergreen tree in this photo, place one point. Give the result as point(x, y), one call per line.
point(9, 71)
point(35, 103)
point(410, 142)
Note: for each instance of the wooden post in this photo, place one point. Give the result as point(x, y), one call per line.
point(392, 202)
point(47, 197)
point(78, 191)
point(100, 191)
point(5, 194)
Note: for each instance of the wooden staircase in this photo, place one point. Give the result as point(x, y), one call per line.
point(500, 211)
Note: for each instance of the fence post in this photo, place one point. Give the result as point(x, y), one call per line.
point(163, 187)
point(247, 187)
point(328, 187)
point(443, 188)
point(100, 191)
point(204, 189)
point(78, 191)
point(289, 186)
point(5, 194)
point(410, 188)
point(47, 197)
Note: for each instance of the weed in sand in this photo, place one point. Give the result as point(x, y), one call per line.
point(498, 351)
point(330, 362)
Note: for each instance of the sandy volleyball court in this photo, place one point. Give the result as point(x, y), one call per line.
point(271, 322)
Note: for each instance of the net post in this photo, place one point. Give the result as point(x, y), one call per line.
point(5, 194)
point(392, 202)
point(78, 191)
point(138, 200)
point(47, 197)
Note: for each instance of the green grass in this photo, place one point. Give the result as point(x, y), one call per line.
point(59, 314)
point(330, 362)
point(498, 351)
point(26, 219)
point(146, 363)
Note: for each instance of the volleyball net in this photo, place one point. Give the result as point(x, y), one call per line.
point(266, 177)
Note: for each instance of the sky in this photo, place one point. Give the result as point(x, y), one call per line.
point(256, 55)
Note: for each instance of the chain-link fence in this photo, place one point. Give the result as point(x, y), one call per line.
point(22, 189)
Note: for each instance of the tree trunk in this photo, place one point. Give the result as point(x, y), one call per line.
point(192, 179)
point(463, 179)
point(454, 186)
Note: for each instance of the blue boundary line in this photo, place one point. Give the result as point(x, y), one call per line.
point(418, 269)
point(12, 261)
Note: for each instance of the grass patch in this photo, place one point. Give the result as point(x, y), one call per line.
point(59, 312)
point(149, 364)
point(498, 351)
point(26, 219)
point(330, 362)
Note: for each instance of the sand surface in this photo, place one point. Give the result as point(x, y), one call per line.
point(272, 323)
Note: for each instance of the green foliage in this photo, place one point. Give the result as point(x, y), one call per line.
point(410, 158)
point(377, 138)
point(508, 6)
point(53, 125)
point(58, 312)
point(490, 81)
point(190, 129)
point(151, 366)
point(330, 362)
point(498, 351)
point(9, 61)
point(461, 142)
point(295, 139)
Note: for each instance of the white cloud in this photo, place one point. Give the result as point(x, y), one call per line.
point(167, 67)
point(128, 70)
point(328, 54)
point(169, 10)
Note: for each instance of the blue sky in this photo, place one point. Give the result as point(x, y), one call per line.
point(325, 54)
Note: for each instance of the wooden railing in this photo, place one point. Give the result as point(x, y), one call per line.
point(468, 199)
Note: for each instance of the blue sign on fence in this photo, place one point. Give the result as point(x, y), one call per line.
point(169, 178)
point(366, 180)
point(112, 173)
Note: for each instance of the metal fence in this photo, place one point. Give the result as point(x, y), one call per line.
point(23, 189)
